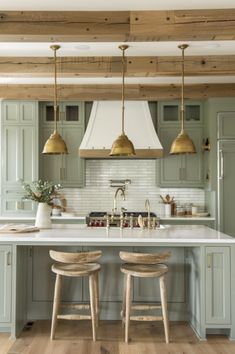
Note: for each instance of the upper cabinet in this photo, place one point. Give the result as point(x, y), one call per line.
point(180, 170)
point(19, 112)
point(19, 146)
point(169, 113)
point(68, 170)
point(19, 142)
point(70, 113)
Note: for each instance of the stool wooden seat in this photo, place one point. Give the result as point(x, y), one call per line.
point(144, 265)
point(76, 265)
point(75, 270)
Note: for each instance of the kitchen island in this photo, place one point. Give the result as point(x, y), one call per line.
point(200, 280)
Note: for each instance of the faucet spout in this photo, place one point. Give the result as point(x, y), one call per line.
point(120, 190)
point(147, 208)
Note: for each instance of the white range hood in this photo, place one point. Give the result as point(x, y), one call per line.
point(104, 127)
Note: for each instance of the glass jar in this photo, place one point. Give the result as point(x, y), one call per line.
point(180, 210)
point(188, 209)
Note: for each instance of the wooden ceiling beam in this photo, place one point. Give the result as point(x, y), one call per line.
point(112, 66)
point(113, 92)
point(117, 26)
point(183, 25)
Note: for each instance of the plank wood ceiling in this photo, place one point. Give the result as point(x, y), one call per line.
point(117, 26)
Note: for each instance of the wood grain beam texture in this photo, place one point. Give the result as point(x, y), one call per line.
point(116, 26)
point(112, 66)
point(113, 92)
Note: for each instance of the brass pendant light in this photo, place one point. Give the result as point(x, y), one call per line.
point(182, 144)
point(55, 145)
point(122, 146)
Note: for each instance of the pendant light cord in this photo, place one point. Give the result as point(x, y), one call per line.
point(55, 89)
point(123, 87)
point(182, 108)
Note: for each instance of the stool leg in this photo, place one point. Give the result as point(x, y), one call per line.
point(164, 307)
point(96, 288)
point(123, 314)
point(56, 304)
point(128, 306)
point(92, 305)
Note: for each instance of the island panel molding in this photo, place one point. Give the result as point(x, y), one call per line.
point(116, 26)
point(137, 66)
point(149, 92)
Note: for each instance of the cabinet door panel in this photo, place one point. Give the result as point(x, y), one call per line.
point(169, 113)
point(11, 112)
point(28, 112)
point(170, 166)
point(73, 165)
point(28, 166)
point(5, 281)
point(226, 158)
point(72, 113)
point(226, 125)
point(147, 289)
point(193, 162)
point(13, 204)
point(218, 285)
point(10, 148)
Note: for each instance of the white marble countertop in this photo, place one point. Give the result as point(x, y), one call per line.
point(178, 235)
point(83, 217)
point(189, 217)
point(32, 218)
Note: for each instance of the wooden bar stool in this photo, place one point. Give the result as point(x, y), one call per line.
point(76, 265)
point(144, 265)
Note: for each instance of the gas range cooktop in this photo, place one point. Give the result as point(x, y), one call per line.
point(128, 218)
point(101, 214)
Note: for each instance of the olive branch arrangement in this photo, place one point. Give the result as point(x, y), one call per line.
point(40, 191)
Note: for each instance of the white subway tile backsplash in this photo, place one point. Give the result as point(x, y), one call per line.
point(98, 195)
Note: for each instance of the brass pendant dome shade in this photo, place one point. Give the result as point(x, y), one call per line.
point(122, 146)
point(55, 145)
point(182, 144)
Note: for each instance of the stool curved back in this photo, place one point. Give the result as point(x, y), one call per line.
point(144, 258)
point(79, 257)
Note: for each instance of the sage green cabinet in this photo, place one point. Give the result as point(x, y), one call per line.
point(181, 170)
point(226, 125)
point(226, 190)
point(19, 146)
point(5, 283)
point(19, 154)
point(13, 204)
point(218, 286)
point(67, 169)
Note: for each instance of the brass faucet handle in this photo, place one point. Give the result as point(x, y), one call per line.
point(123, 210)
point(107, 222)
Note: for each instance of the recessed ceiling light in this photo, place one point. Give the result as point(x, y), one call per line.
point(82, 47)
point(212, 45)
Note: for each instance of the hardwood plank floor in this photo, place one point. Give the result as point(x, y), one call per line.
point(146, 338)
point(5, 343)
